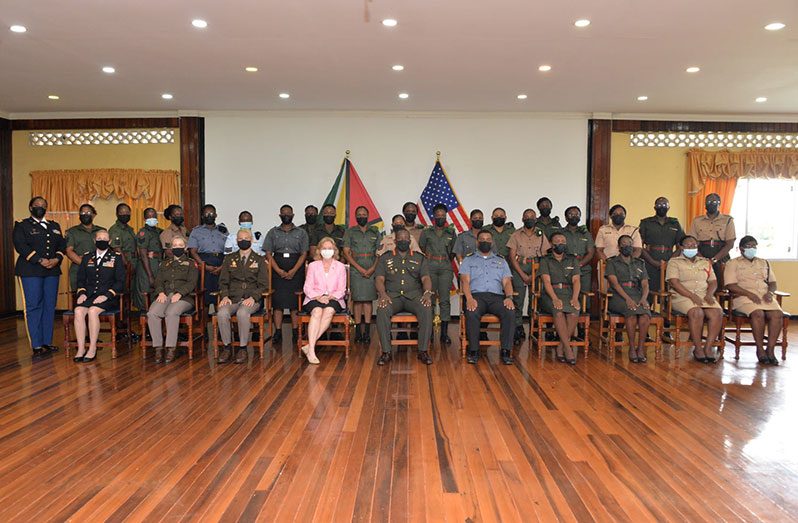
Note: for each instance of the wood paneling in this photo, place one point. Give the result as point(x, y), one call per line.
point(93, 123)
point(278, 439)
point(598, 178)
point(7, 282)
point(633, 126)
point(192, 167)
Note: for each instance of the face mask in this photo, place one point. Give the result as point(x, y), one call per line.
point(178, 252)
point(286, 218)
point(440, 222)
point(661, 211)
point(101, 244)
point(327, 253)
point(626, 250)
point(38, 212)
point(690, 253)
point(559, 248)
point(712, 208)
point(151, 222)
point(499, 222)
point(362, 221)
point(209, 219)
point(86, 219)
point(123, 218)
point(177, 220)
point(573, 220)
point(529, 223)
point(310, 219)
point(477, 224)
point(410, 217)
point(245, 225)
point(403, 245)
point(329, 220)
point(545, 212)
point(485, 247)
point(749, 252)
point(244, 245)
point(397, 228)
point(618, 219)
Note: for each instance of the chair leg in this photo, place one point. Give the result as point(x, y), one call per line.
point(143, 340)
point(737, 341)
point(261, 332)
point(65, 321)
point(785, 325)
point(214, 326)
point(190, 344)
point(113, 338)
point(462, 336)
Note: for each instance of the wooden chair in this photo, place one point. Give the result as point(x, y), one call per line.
point(488, 323)
point(738, 324)
point(341, 324)
point(195, 320)
point(541, 323)
point(404, 323)
point(609, 321)
point(117, 320)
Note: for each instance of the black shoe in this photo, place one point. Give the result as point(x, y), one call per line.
point(425, 357)
point(39, 351)
point(560, 358)
point(367, 334)
point(472, 357)
point(445, 333)
point(643, 359)
point(278, 337)
point(78, 359)
point(135, 338)
point(506, 357)
point(516, 339)
point(773, 360)
point(358, 333)
point(572, 361)
point(241, 355)
point(224, 354)
point(385, 357)
point(51, 348)
point(86, 359)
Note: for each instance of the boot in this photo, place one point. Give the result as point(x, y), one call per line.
point(170, 355)
point(224, 355)
point(445, 333)
point(241, 355)
point(158, 354)
point(507, 357)
point(358, 332)
point(277, 339)
point(367, 333)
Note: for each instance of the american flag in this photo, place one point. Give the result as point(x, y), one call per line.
point(439, 190)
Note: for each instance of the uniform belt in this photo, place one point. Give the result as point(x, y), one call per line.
point(661, 248)
point(363, 254)
point(524, 260)
point(215, 254)
point(560, 285)
point(711, 243)
point(438, 258)
point(628, 284)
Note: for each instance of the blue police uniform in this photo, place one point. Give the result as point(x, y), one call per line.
point(485, 278)
point(36, 240)
point(209, 242)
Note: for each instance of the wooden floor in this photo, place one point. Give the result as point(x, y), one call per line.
point(278, 439)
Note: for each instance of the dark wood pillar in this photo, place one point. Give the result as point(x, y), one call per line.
point(192, 167)
point(598, 172)
point(7, 282)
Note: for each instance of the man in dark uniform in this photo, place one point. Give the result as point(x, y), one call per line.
point(403, 285)
point(40, 245)
point(80, 239)
point(579, 243)
point(661, 235)
point(436, 243)
point(545, 222)
point(501, 230)
point(327, 228)
point(206, 244)
point(715, 233)
point(466, 242)
point(410, 212)
point(148, 241)
point(311, 220)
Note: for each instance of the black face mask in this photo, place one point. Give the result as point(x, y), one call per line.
point(329, 220)
point(244, 244)
point(177, 220)
point(123, 218)
point(410, 217)
point(403, 245)
point(499, 222)
point(286, 218)
point(712, 208)
point(178, 251)
point(484, 247)
point(477, 224)
point(626, 250)
point(310, 219)
point(559, 248)
point(362, 220)
point(102, 244)
point(397, 228)
point(618, 219)
point(529, 223)
point(661, 211)
point(545, 212)
point(209, 219)
point(440, 222)
point(573, 220)
point(86, 219)
point(38, 212)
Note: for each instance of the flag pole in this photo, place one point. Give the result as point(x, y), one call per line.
point(347, 154)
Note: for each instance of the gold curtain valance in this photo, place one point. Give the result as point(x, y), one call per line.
point(758, 163)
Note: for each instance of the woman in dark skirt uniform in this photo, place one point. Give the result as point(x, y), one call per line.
point(560, 276)
point(286, 248)
point(101, 278)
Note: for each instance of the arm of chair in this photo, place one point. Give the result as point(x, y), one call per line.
point(780, 295)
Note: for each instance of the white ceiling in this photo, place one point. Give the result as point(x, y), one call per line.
point(464, 55)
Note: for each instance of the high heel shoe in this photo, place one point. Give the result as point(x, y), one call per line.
point(87, 359)
point(773, 360)
point(560, 358)
point(702, 359)
point(641, 358)
point(633, 356)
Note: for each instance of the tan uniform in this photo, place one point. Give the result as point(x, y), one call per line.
point(172, 232)
point(713, 231)
point(607, 238)
point(388, 243)
point(695, 275)
point(415, 231)
point(753, 276)
point(528, 246)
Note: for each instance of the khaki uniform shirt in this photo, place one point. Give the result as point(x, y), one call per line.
point(753, 276)
point(528, 246)
point(695, 275)
point(388, 243)
point(172, 232)
point(607, 237)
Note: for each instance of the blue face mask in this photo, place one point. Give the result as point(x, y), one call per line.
point(749, 252)
point(690, 253)
point(152, 222)
point(245, 225)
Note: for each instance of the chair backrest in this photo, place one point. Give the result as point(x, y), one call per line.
point(602, 280)
point(199, 292)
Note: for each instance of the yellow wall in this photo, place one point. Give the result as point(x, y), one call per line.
point(638, 175)
point(27, 158)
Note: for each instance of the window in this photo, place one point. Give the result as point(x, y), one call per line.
point(768, 211)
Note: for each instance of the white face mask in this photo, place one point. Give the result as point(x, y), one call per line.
point(327, 253)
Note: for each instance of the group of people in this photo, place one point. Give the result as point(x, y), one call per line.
point(409, 269)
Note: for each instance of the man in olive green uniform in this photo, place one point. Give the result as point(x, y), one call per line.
point(360, 250)
point(545, 222)
point(148, 240)
point(327, 228)
point(437, 242)
point(715, 233)
point(661, 235)
point(403, 284)
point(501, 230)
point(123, 237)
point(80, 240)
point(410, 212)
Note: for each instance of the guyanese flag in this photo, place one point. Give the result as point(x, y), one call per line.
point(347, 194)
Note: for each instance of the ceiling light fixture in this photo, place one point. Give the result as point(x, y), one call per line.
point(584, 22)
point(199, 23)
point(775, 26)
point(54, 97)
point(18, 28)
point(521, 97)
point(389, 22)
point(544, 68)
point(642, 98)
point(251, 69)
point(404, 96)
point(285, 96)
point(693, 69)
point(761, 99)
point(398, 67)
point(109, 70)
point(167, 96)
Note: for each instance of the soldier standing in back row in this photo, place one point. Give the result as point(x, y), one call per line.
point(579, 243)
point(437, 242)
point(715, 234)
point(466, 242)
point(206, 244)
point(148, 241)
point(545, 222)
point(80, 240)
point(501, 230)
point(360, 250)
point(173, 213)
point(661, 235)
point(525, 246)
point(410, 212)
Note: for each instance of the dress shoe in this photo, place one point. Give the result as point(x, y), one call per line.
point(241, 355)
point(224, 354)
point(51, 348)
point(385, 357)
point(560, 358)
point(89, 359)
point(158, 354)
point(506, 357)
point(773, 360)
point(425, 357)
point(39, 351)
point(170, 355)
point(472, 357)
point(78, 359)
point(641, 358)
point(445, 333)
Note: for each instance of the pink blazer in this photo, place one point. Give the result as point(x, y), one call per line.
point(333, 283)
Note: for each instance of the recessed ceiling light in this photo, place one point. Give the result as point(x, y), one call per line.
point(18, 28)
point(167, 96)
point(199, 23)
point(389, 22)
point(54, 97)
point(251, 69)
point(521, 97)
point(642, 98)
point(544, 68)
point(109, 70)
point(404, 96)
point(775, 26)
point(398, 67)
point(761, 99)
point(584, 22)
point(693, 69)
point(285, 96)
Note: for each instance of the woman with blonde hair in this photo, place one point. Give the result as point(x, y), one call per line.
point(325, 287)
